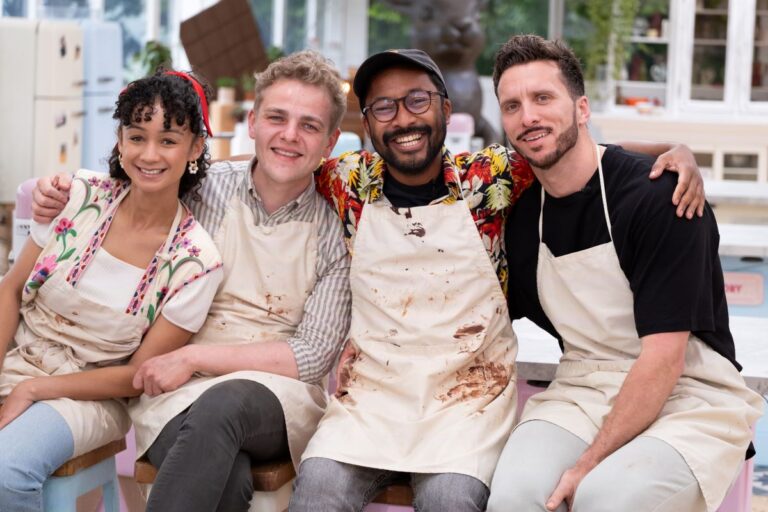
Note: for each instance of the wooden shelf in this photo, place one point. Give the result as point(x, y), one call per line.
point(711, 12)
point(638, 83)
point(710, 42)
point(648, 40)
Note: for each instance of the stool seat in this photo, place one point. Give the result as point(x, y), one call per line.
point(271, 476)
point(267, 477)
point(91, 458)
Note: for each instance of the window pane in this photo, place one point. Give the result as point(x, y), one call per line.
point(295, 25)
point(502, 19)
point(14, 8)
point(63, 9)
point(709, 42)
point(262, 11)
point(130, 14)
point(387, 28)
point(760, 55)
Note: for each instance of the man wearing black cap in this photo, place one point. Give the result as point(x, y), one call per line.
point(427, 382)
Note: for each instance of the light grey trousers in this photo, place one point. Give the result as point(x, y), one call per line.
point(645, 475)
point(325, 485)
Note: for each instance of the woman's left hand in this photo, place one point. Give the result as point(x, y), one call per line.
point(16, 403)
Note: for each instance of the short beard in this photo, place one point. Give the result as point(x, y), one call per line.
point(413, 166)
point(565, 142)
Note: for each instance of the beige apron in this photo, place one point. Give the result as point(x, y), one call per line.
point(708, 415)
point(62, 332)
point(269, 272)
point(62, 310)
point(433, 389)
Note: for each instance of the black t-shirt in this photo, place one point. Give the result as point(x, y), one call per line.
point(412, 196)
point(672, 264)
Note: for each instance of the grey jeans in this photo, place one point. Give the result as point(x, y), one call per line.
point(204, 454)
point(325, 485)
point(645, 475)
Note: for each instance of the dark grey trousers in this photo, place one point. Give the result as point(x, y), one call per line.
point(204, 454)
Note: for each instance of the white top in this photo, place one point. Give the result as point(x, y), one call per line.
point(185, 309)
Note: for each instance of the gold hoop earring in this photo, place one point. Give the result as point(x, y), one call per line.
point(193, 167)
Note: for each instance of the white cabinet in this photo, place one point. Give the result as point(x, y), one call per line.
point(714, 96)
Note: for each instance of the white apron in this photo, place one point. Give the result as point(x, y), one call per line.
point(269, 271)
point(62, 332)
point(707, 417)
point(433, 389)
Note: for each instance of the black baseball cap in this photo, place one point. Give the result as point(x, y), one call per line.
point(378, 62)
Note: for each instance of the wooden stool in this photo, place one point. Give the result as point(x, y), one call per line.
point(398, 493)
point(81, 475)
point(275, 477)
point(271, 483)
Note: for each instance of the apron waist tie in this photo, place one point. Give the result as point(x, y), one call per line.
point(584, 366)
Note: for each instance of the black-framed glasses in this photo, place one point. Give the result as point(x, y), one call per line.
point(415, 102)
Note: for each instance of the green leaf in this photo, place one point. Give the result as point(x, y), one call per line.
point(66, 255)
point(151, 313)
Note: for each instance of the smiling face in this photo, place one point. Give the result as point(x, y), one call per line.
point(292, 130)
point(540, 118)
point(409, 143)
point(153, 157)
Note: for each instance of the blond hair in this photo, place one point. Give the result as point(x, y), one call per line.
point(312, 68)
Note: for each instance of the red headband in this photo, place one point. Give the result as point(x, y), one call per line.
point(200, 93)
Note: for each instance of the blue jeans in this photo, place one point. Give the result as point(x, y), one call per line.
point(325, 485)
point(32, 447)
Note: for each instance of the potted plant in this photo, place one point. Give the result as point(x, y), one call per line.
point(607, 45)
point(153, 55)
point(247, 83)
point(274, 53)
point(225, 89)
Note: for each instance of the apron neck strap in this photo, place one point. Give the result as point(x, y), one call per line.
point(602, 195)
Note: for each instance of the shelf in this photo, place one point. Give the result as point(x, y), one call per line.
point(711, 12)
point(648, 40)
point(637, 83)
point(742, 171)
point(710, 42)
point(705, 87)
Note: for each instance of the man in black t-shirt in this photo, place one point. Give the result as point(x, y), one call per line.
point(648, 410)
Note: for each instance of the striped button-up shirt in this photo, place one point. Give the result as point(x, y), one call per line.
point(320, 334)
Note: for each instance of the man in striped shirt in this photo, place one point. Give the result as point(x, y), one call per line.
point(204, 452)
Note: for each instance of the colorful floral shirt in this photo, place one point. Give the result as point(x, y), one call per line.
point(79, 230)
point(490, 180)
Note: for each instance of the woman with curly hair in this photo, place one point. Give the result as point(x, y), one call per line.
point(123, 274)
